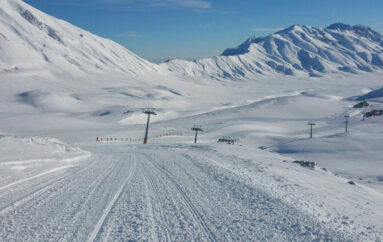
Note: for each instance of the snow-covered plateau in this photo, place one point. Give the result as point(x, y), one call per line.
point(62, 87)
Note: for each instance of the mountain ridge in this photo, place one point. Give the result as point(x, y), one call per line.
point(33, 40)
point(296, 50)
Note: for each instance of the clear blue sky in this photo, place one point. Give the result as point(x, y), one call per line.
point(160, 29)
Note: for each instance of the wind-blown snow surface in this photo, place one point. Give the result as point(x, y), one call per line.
point(297, 50)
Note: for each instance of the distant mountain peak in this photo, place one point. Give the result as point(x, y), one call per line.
point(242, 48)
point(339, 26)
point(296, 50)
point(361, 30)
point(294, 27)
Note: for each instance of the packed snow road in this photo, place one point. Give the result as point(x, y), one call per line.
point(160, 193)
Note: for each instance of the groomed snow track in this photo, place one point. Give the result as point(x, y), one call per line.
point(157, 193)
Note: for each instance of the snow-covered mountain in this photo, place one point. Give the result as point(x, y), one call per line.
point(49, 65)
point(31, 40)
point(296, 50)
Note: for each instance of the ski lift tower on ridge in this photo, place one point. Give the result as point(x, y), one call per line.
point(196, 128)
point(148, 111)
point(346, 127)
point(311, 129)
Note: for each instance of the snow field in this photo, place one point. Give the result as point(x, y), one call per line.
point(176, 193)
point(61, 81)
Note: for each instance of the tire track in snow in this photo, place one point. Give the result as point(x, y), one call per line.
point(94, 234)
point(77, 213)
point(35, 176)
point(91, 190)
point(51, 183)
point(197, 215)
point(158, 201)
point(87, 155)
point(70, 206)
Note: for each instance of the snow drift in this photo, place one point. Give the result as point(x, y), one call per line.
point(20, 150)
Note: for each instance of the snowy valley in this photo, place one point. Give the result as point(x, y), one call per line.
point(62, 87)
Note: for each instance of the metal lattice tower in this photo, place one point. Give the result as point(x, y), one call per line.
point(148, 111)
point(311, 129)
point(196, 128)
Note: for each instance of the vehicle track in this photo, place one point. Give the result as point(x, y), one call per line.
point(49, 184)
point(158, 202)
point(94, 234)
point(76, 209)
point(136, 193)
point(196, 214)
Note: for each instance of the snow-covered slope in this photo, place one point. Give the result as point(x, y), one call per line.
point(49, 65)
point(34, 41)
point(296, 50)
point(31, 40)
